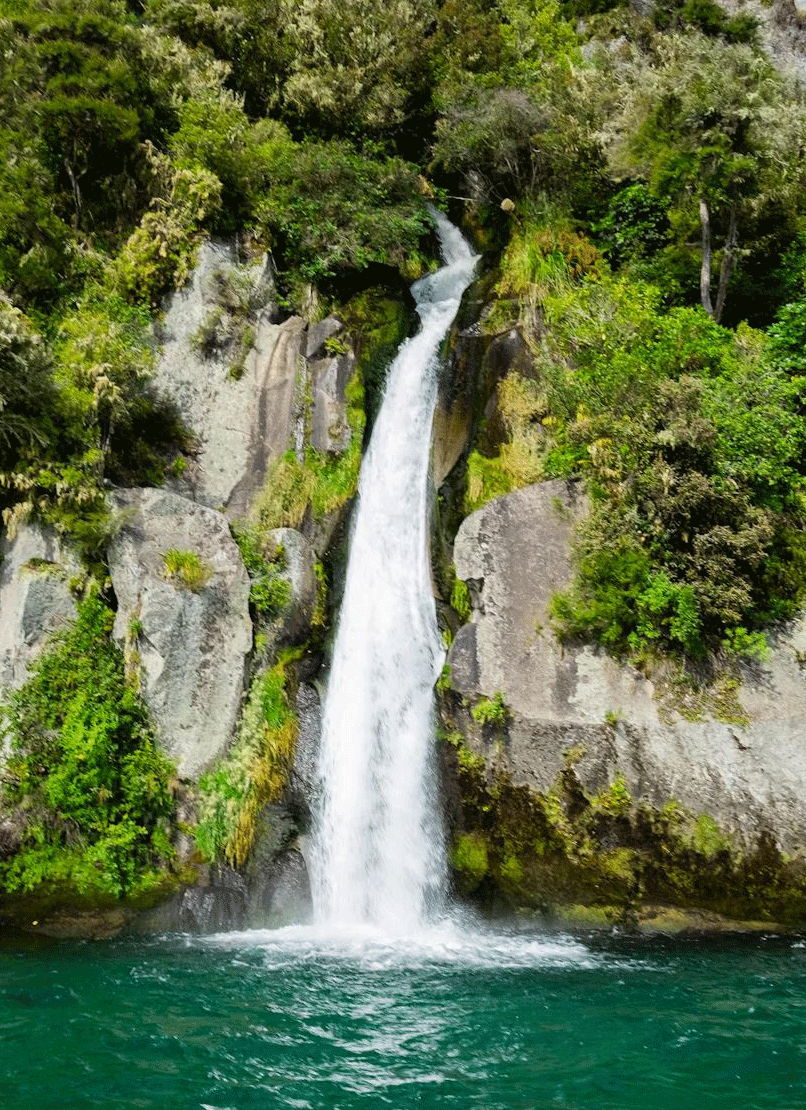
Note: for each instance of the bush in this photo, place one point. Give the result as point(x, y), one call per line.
point(26, 386)
point(691, 440)
point(269, 592)
point(331, 209)
point(490, 711)
point(159, 254)
point(85, 769)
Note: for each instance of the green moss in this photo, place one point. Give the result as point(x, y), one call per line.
point(707, 838)
point(487, 478)
point(606, 853)
point(377, 323)
point(616, 799)
point(460, 599)
point(697, 700)
point(511, 871)
point(319, 615)
point(469, 861)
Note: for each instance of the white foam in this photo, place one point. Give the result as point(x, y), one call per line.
point(446, 943)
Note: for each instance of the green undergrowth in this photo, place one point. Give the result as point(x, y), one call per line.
point(606, 851)
point(85, 775)
point(269, 591)
point(254, 771)
point(689, 437)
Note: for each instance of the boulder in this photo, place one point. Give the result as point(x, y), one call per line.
point(318, 334)
point(190, 643)
point(744, 766)
point(35, 598)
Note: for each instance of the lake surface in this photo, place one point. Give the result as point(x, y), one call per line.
point(452, 1018)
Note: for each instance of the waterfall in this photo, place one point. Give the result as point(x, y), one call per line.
point(378, 855)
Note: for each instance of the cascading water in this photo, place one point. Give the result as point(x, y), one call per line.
point(378, 849)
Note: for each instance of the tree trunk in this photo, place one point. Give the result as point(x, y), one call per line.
point(705, 269)
point(76, 192)
point(728, 263)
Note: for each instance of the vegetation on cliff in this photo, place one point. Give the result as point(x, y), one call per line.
point(641, 182)
point(88, 784)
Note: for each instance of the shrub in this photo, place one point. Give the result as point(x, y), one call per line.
point(85, 769)
point(269, 592)
point(490, 711)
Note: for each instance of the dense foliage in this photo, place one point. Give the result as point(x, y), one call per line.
point(640, 179)
point(84, 770)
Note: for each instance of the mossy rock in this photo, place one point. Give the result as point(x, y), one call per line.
point(609, 855)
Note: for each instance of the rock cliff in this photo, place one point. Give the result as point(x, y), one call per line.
point(611, 746)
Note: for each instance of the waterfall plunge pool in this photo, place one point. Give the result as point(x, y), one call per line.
point(449, 1018)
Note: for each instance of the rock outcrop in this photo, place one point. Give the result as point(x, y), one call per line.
point(235, 392)
point(736, 754)
point(248, 388)
point(35, 598)
point(298, 561)
point(188, 640)
point(330, 432)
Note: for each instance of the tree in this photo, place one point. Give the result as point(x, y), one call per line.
point(355, 63)
point(715, 131)
point(26, 384)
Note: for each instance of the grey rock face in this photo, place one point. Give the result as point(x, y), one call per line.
point(217, 905)
point(243, 384)
point(514, 553)
point(303, 785)
point(288, 893)
point(239, 424)
point(192, 644)
point(279, 888)
point(318, 334)
point(330, 432)
point(295, 622)
point(781, 30)
point(35, 598)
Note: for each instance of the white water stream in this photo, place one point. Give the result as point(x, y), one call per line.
point(378, 856)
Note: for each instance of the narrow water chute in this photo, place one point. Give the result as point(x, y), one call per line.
point(378, 855)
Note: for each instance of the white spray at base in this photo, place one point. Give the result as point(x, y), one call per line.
point(378, 853)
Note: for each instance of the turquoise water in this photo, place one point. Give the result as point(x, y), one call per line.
point(452, 1019)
